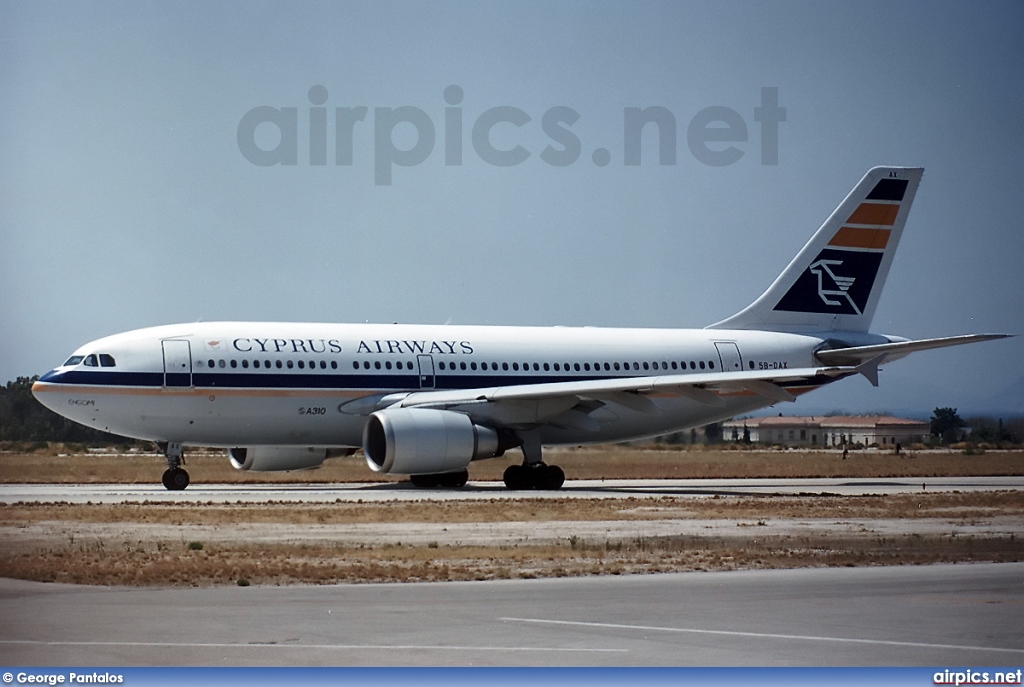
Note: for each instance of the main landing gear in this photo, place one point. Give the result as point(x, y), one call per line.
point(446, 480)
point(534, 473)
point(175, 477)
point(537, 476)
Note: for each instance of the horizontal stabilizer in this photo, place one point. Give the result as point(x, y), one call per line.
point(857, 355)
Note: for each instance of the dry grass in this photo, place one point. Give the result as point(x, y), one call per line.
point(598, 462)
point(90, 544)
point(164, 563)
point(956, 505)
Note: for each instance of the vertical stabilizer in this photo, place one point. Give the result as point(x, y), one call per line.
point(835, 281)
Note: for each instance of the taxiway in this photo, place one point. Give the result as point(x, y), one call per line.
point(967, 614)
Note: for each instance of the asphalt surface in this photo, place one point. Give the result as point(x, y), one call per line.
point(948, 615)
point(319, 493)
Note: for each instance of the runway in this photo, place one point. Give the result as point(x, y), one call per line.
point(586, 489)
point(969, 614)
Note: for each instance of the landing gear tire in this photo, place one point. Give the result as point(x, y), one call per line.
point(455, 480)
point(517, 477)
point(175, 479)
point(447, 480)
point(423, 481)
point(540, 476)
point(552, 478)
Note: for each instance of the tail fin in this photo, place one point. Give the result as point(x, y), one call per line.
point(835, 281)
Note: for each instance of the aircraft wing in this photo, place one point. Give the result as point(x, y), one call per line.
point(880, 353)
point(571, 403)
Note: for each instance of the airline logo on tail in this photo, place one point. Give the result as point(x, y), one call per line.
point(831, 284)
point(839, 279)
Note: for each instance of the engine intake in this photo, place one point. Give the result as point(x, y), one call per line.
point(273, 458)
point(417, 441)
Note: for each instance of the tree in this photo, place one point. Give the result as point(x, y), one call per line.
point(713, 433)
point(23, 418)
point(983, 429)
point(946, 424)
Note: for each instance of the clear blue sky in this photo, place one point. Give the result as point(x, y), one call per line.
point(126, 201)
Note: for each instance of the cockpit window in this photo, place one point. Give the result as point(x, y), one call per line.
point(92, 360)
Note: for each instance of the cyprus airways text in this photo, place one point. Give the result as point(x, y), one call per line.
point(390, 346)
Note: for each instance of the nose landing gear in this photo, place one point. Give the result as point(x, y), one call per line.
point(175, 477)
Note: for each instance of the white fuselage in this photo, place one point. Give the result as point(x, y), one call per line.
point(241, 383)
point(426, 401)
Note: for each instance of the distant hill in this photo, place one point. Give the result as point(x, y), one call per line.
point(1008, 402)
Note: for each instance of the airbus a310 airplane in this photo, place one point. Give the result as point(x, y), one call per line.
point(426, 401)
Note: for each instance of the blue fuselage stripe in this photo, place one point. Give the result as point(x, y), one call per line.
point(369, 382)
point(271, 380)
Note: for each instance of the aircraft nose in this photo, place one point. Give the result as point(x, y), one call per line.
point(43, 389)
point(50, 376)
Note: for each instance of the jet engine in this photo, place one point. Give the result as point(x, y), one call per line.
point(272, 458)
point(417, 441)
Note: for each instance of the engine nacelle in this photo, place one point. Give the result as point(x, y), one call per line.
point(419, 441)
point(272, 458)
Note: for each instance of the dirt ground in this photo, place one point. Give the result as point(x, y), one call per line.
point(433, 540)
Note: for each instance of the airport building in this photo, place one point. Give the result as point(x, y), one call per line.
point(828, 431)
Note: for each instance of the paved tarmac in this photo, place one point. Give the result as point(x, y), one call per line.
point(941, 615)
point(321, 493)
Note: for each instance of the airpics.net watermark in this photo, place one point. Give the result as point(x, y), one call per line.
point(711, 134)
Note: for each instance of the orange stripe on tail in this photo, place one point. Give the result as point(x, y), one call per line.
point(874, 213)
point(852, 237)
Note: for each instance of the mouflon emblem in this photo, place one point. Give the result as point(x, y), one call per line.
point(832, 284)
point(837, 282)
